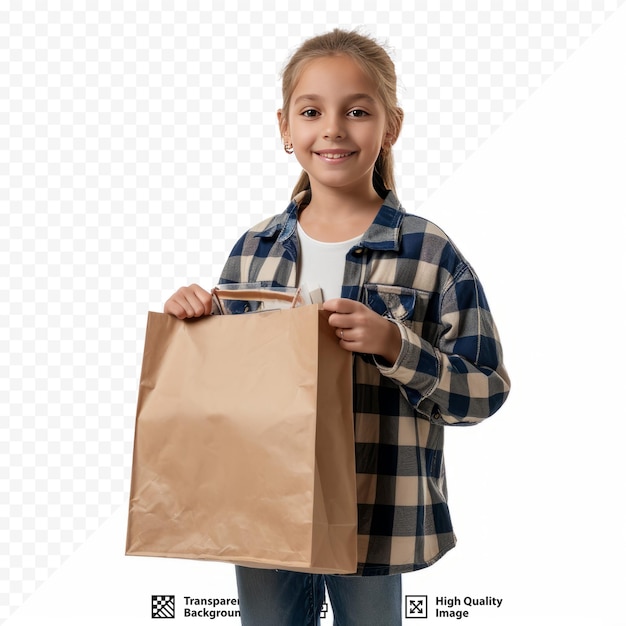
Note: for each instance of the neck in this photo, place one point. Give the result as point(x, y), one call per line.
point(334, 215)
point(337, 203)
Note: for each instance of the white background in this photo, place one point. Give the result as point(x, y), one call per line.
point(138, 141)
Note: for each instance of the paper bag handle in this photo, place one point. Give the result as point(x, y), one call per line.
point(254, 294)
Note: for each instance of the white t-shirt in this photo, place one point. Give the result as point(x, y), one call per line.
point(322, 264)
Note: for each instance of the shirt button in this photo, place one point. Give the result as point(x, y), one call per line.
point(358, 251)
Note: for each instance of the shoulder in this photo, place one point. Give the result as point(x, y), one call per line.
point(415, 224)
point(425, 256)
point(281, 225)
point(394, 215)
point(423, 239)
point(269, 229)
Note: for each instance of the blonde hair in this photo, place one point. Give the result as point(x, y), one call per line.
point(377, 64)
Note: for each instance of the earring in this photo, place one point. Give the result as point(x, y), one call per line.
point(287, 145)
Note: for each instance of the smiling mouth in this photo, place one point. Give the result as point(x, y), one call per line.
point(334, 155)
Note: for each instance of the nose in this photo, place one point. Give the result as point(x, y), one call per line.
point(334, 128)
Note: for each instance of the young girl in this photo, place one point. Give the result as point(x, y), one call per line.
point(402, 299)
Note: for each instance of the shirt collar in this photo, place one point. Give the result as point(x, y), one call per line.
point(383, 233)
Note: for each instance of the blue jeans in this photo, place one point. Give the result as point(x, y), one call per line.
point(279, 598)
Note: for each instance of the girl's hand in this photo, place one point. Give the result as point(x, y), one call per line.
point(362, 330)
point(192, 301)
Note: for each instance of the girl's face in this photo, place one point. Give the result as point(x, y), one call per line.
point(336, 124)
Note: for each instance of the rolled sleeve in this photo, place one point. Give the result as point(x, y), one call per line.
point(463, 375)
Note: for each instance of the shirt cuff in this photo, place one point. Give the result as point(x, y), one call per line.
point(417, 365)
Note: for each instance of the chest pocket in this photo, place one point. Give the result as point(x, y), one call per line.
point(409, 306)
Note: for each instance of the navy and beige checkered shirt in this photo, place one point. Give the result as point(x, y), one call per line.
point(449, 371)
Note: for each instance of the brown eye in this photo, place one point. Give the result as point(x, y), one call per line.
point(358, 113)
point(309, 113)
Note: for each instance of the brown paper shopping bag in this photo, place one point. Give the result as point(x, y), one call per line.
point(244, 443)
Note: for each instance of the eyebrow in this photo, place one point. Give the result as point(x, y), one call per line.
point(354, 96)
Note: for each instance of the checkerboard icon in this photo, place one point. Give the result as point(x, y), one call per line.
point(163, 607)
point(416, 607)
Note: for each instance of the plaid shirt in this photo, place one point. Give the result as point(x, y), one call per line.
point(449, 371)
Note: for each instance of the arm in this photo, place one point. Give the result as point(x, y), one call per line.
point(463, 375)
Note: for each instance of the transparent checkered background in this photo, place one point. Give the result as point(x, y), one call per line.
point(137, 141)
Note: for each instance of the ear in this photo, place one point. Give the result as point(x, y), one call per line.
point(394, 128)
point(282, 126)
